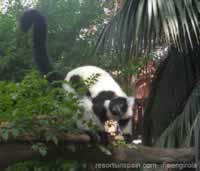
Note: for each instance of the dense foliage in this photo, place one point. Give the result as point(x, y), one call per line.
point(35, 107)
point(31, 97)
point(58, 165)
point(73, 26)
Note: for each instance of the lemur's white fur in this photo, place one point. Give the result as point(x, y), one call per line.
point(104, 82)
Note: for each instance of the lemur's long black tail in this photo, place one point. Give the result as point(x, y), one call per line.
point(38, 21)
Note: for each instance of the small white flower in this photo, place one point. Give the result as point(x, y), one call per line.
point(111, 126)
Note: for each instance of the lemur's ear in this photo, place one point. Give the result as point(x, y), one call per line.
point(55, 76)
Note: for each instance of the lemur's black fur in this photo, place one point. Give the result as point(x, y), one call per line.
point(38, 22)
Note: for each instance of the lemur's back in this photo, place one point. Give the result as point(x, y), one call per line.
point(104, 81)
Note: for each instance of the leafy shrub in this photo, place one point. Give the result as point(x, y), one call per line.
point(36, 107)
point(34, 96)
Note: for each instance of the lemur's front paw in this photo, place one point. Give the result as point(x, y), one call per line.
point(98, 137)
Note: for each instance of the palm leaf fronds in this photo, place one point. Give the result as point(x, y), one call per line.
point(180, 131)
point(141, 24)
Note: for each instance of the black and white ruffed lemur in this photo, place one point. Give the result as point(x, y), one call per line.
point(103, 101)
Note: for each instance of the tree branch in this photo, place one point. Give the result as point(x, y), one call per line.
point(79, 148)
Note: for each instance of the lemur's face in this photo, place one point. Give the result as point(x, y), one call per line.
point(119, 107)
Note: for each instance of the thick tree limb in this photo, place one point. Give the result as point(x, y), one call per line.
point(79, 148)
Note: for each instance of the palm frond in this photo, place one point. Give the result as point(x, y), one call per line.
point(180, 131)
point(143, 23)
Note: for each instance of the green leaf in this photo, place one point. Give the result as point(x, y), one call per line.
point(41, 148)
point(14, 132)
point(5, 134)
point(43, 151)
point(105, 150)
point(55, 140)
